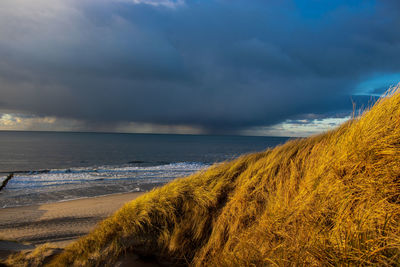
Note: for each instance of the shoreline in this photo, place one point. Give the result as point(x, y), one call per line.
point(12, 200)
point(72, 199)
point(58, 223)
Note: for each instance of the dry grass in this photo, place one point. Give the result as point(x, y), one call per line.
point(331, 199)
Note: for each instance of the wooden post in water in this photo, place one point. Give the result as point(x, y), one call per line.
point(6, 181)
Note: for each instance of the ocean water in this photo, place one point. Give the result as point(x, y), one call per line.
point(56, 166)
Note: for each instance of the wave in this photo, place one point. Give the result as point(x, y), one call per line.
point(51, 185)
point(81, 175)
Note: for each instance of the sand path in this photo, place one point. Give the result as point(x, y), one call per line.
point(57, 223)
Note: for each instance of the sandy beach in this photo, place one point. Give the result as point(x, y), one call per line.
point(57, 223)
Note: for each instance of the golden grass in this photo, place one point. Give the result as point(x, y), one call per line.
point(331, 199)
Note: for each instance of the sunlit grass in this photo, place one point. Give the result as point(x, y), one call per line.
point(331, 199)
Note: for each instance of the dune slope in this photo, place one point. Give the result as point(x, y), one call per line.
point(329, 199)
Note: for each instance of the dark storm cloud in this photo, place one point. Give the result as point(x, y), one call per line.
point(220, 65)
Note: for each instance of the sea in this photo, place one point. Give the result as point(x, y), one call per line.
point(59, 166)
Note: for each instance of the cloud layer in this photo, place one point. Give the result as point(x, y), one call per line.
point(222, 66)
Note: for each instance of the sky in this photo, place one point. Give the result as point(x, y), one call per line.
point(283, 68)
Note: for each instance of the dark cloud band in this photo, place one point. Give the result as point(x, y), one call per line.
point(218, 65)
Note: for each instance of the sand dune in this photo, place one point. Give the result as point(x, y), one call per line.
point(327, 200)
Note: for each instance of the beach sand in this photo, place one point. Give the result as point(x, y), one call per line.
point(56, 223)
